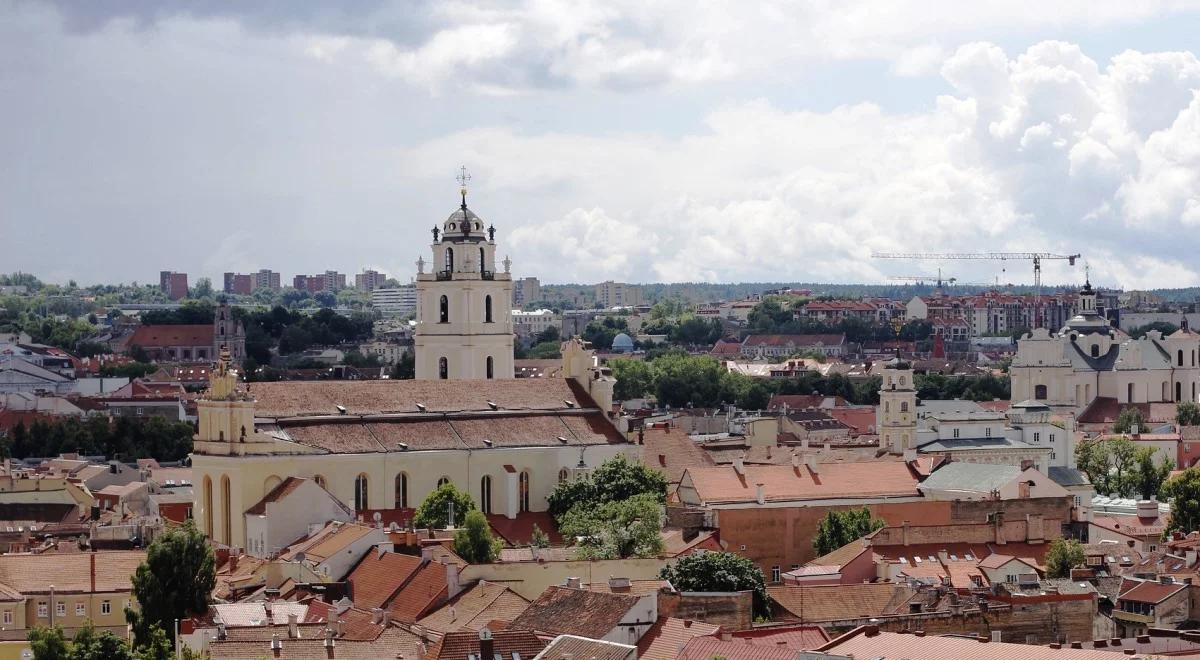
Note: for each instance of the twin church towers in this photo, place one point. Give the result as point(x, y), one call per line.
point(464, 305)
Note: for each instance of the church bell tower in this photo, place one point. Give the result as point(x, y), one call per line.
point(896, 415)
point(464, 306)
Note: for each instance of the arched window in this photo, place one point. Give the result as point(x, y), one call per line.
point(443, 481)
point(270, 484)
point(208, 506)
point(402, 491)
point(443, 368)
point(562, 476)
point(1178, 391)
point(490, 366)
point(1039, 393)
point(1129, 395)
point(523, 490)
point(487, 312)
point(449, 260)
point(903, 406)
point(319, 480)
point(902, 381)
point(444, 310)
point(485, 494)
point(1181, 357)
point(481, 266)
point(226, 511)
point(360, 493)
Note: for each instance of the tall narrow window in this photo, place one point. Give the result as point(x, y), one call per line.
point(360, 493)
point(481, 266)
point(208, 506)
point(1039, 392)
point(1129, 396)
point(562, 475)
point(226, 511)
point(402, 491)
point(487, 309)
point(1181, 357)
point(449, 260)
point(524, 490)
point(485, 494)
point(443, 368)
point(444, 310)
point(490, 367)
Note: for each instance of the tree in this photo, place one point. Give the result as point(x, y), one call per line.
point(1111, 465)
point(49, 644)
point(90, 644)
point(1129, 417)
point(203, 288)
point(1063, 555)
point(1146, 477)
point(1187, 414)
point(618, 529)
point(635, 378)
point(434, 512)
point(719, 572)
point(616, 479)
point(838, 528)
point(538, 538)
point(1183, 490)
point(173, 583)
point(474, 541)
point(159, 647)
point(406, 367)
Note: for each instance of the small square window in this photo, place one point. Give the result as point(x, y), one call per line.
point(80, 609)
point(43, 611)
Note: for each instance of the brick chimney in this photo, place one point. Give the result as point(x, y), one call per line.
point(486, 645)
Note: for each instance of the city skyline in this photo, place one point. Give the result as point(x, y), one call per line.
point(605, 141)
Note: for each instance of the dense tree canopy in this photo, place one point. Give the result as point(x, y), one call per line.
point(838, 528)
point(1183, 490)
point(474, 542)
point(1118, 467)
point(1063, 555)
point(616, 530)
point(175, 582)
point(1130, 417)
point(434, 512)
point(121, 437)
point(720, 572)
point(615, 480)
point(1187, 414)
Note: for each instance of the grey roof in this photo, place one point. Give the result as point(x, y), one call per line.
point(971, 477)
point(1030, 404)
point(969, 416)
point(967, 444)
point(1065, 476)
point(934, 407)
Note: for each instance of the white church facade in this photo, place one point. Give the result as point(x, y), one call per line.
point(1089, 358)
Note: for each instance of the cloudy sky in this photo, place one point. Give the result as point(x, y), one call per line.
point(664, 141)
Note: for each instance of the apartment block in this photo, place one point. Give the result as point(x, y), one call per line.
point(238, 284)
point(617, 294)
point(369, 280)
point(526, 290)
point(175, 285)
point(397, 301)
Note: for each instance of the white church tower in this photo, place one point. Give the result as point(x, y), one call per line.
point(896, 416)
point(464, 307)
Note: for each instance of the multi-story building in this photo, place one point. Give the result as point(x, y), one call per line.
point(526, 290)
point(238, 284)
point(175, 285)
point(266, 279)
point(617, 294)
point(192, 343)
point(996, 313)
point(369, 280)
point(531, 324)
point(398, 301)
point(330, 280)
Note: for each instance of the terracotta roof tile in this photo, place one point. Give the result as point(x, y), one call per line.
point(565, 611)
point(519, 531)
point(461, 645)
point(783, 483)
point(667, 637)
point(285, 488)
point(71, 573)
point(424, 591)
point(795, 637)
point(378, 576)
point(671, 451)
point(707, 648)
point(161, 336)
point(838, 602)
point(475, 607)
point(635, 587)
point(929, 647)
point(565, 647)
point(795, 340)
point(286, 399)
point(391, 643)
point(1151, 592)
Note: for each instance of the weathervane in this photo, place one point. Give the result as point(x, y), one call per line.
point(463, 177)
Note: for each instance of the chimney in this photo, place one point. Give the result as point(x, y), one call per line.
point(795, 460)
point(739, 466)
point(1147, 509)
point(943, 556)
point(233, 560)
point(341, 627)
point(574, 583)
point(276, 645)
point(761, 494)
point(485, 643)
point(810, 461)
point(293, 628)
point(376, 615)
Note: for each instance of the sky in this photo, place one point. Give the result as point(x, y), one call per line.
point(633, 141)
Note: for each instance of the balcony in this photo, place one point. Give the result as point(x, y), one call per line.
point(443, 275)
point(487, 275)
point(1133, 617)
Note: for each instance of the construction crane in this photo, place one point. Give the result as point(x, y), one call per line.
point(1036, 257)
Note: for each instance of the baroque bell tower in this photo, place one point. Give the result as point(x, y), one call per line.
point(896, 415)
point(464, 306)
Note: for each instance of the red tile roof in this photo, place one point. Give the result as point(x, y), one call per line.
point(285, 488)
point(782, 483)
point(928, 647)
point(163, 336)
point(423, 592)
point(860, 420)
point(797, 637)
point(566, 611)
point(1151, 592)
point(794, 340)
point(671, 451)
point(461, 645)
point(707, 648)
point(519, 531)
point(814, 604)
point(380, 575)
point(667, 637)
point(475, 607)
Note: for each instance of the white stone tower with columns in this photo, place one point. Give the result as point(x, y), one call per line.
point(464, 305)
